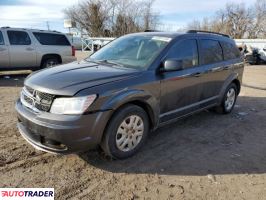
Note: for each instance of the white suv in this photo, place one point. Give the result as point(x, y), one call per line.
point(29, 48)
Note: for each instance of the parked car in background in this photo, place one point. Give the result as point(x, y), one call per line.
point(33, 49)
point(262, 53)
point(129, 87)
point(253, 55)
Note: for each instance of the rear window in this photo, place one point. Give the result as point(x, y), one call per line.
point(18, 38)
point(230, 51)
point(211, 51)
point(1, 39)
point(51, 39)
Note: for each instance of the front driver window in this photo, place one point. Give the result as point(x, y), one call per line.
point(185, 51)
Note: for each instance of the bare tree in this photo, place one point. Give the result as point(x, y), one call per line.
point(90, 15)
point(194, 25)
point(236, 20)
point(258, 28)
point(113, 17)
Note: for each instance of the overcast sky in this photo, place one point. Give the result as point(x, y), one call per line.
point(36, 13)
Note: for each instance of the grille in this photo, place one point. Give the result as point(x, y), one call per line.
point(46, 98)
point(36, 100)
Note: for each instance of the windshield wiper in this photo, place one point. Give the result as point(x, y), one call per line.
point(110, 62)
point(114, 63)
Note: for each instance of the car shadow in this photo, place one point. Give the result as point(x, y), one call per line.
point(200, 144)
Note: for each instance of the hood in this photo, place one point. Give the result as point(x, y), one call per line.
point(68, 79)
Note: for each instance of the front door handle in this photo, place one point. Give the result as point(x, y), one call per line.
point(29, 49)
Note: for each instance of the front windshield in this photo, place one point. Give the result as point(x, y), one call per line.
point(132, 51)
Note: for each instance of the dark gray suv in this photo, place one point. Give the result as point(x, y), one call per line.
point(131, 86)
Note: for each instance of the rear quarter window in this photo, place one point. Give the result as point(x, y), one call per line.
point(51, 39)
point(1, 39)
point(230, 51)
point(211, 51)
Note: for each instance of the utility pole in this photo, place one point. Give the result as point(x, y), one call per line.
point(48, 26)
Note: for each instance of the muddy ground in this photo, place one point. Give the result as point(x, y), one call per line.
point(205, 156)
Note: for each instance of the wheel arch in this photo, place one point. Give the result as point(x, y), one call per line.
point(146, 107)
point(52, 55)
point(238, 85)
point(135, 97)
point(233, 78)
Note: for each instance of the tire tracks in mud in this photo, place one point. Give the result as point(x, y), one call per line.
point(27, 163)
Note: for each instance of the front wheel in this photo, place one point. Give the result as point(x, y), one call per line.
point(126, 132)
point(229, 99)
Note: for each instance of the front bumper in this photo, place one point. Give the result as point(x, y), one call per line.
point(61, 133)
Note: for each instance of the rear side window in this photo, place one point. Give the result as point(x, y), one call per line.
point(51, 39)
point(185, 51)
point(1, 39)
point(211, 51)
point(18, 38)
point(230, 51)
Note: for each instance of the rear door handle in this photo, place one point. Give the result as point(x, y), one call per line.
point(227, 67)
point(29, 49)
point(198, 74)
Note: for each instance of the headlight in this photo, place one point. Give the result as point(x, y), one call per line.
point(72, 105)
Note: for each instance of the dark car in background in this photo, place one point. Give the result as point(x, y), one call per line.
point(131, 86)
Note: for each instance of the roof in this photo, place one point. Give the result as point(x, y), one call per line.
point(29, 29)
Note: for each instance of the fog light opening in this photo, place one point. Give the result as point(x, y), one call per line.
point(53, 143)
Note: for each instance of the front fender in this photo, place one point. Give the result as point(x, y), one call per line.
point(141, 97)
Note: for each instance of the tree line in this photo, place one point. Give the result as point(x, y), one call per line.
point(113, 18)
point(236, 20)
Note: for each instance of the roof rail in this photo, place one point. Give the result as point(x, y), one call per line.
point(150, 30)
point(199, 31)
point(5, 27)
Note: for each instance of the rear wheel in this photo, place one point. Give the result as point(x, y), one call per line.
point(126, 132)
point(50, 62)
point(229, 99)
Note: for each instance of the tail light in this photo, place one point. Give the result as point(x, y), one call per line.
point(73, 51)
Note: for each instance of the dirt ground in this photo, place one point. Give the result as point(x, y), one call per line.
point(205, 156)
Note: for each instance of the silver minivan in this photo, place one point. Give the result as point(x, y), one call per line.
point(30, 48)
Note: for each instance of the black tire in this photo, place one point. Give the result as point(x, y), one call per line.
point(258, 61)
point(108, 143)
point(223, 108)
point(50, 62)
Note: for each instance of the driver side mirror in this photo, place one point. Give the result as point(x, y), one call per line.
point(172, 65)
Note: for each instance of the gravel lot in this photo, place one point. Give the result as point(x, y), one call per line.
point(205, 156)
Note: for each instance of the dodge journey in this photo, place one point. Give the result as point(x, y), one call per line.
point(128, 88)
